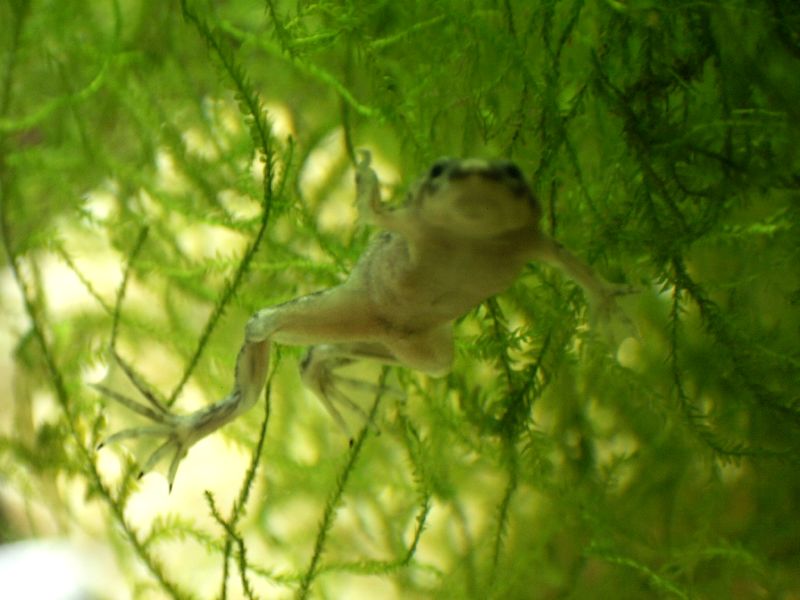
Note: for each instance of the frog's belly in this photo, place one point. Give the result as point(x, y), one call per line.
point(422, 300)
point(436, 283)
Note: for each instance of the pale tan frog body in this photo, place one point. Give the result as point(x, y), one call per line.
point(465, 233)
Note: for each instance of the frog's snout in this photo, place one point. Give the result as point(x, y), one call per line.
point(499, 171)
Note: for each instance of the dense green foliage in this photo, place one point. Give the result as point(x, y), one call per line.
point(202, 149)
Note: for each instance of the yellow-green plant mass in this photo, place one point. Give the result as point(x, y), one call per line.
point(169, 168)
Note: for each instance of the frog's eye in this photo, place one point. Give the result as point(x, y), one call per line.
point(512, 171)
point(438, 168)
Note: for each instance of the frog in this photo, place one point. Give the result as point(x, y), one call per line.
point(464, 233)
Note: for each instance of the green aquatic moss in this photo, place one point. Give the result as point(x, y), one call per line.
point(153, 196)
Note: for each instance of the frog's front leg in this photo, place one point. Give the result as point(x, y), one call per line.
point(368, 191)
point(371, 210)
point(600, 294)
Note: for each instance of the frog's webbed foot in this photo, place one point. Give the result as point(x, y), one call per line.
point(175, 430)
point(606, 313)
point(317, 370)
point(181, 432)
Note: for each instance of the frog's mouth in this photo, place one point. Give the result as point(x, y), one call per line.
point(489, 186)
point(478, 205)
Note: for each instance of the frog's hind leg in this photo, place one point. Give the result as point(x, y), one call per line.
point(429, 351)
point(317, 370)
point(177, 433)
point(335, 316)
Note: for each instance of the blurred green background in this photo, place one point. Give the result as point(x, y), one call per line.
point(661, 140)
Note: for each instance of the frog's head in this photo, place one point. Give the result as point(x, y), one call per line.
point(475, 197)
